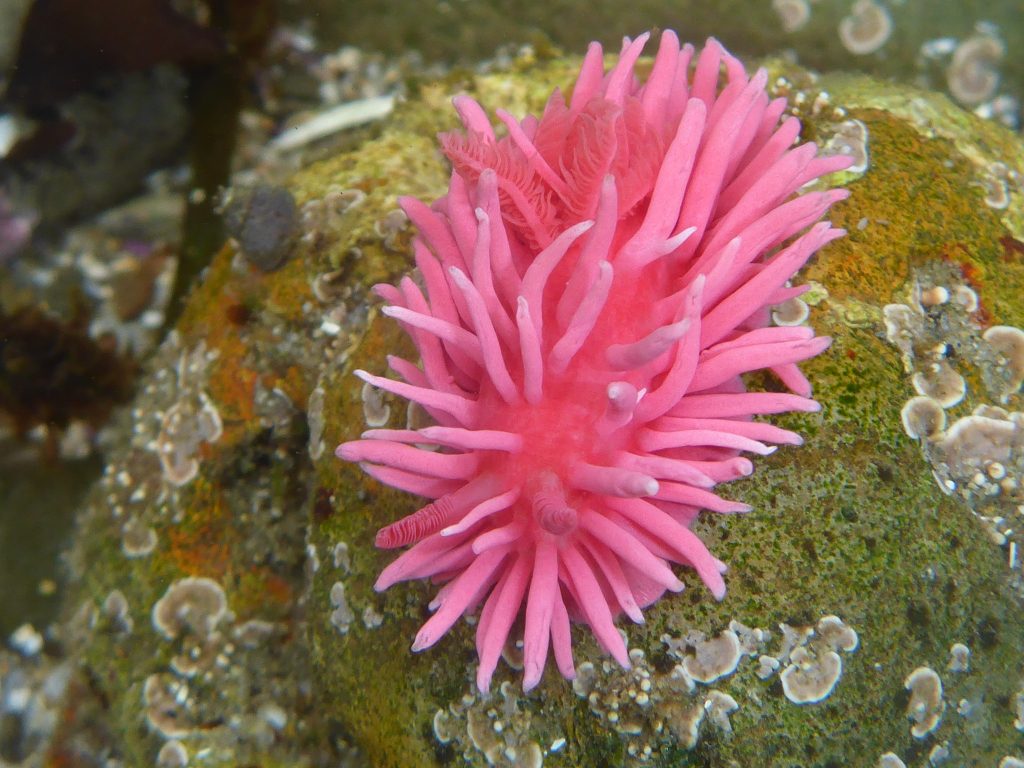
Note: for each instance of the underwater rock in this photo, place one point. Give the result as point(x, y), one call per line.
point(855, 564)
point(101, 148)
point(971, 50)
point(263, 221)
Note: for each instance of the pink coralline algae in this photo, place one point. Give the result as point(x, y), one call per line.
point(591, 290)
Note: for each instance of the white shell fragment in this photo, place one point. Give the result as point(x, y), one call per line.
point(791, 312)
point(26, 640)
point(195, 605)
point(166, 700)
point(923, 417)
point(793, 14)
point(719, 706)
point(342, 615)
point(172, 755)
point(959, 658)
point(926, 705)
point(1008, 343)
point(891, 760)
point(714, 658)
point(375, 410)
point(866, 29)
point(973, 75)
point(809, 679)
point(850, 138)
point(839, 636)
point(334, 120)
point(942, 383)
point(137, 538)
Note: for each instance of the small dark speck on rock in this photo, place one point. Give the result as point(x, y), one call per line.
point(988, 632)
point(918, 614)
point(238, 314)
point(802, 618)
point(263, 220)
point(322, 507)
point(443, 753)
point(900, 699)
point(661, 661)
point(809, 549)
point(952, 592)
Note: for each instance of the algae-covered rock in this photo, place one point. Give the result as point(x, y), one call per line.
point(225, 604)
point(971, 49)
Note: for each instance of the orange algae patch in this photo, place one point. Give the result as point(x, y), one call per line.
point(287, 289)
point(212, 316)
point(261, 592)
point(294, 382)
point(208, 544)
point(195, 317)
point(911, 215)
point(233, 387)
point(222, 314)
point(202, 546)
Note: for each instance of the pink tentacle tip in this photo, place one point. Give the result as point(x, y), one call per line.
point(531, 676)
point(422, 642)
point(351, 451)
point(593, 294)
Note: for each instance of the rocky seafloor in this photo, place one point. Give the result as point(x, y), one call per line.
point(221, 611)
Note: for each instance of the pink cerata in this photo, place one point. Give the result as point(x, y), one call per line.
point(591, 290)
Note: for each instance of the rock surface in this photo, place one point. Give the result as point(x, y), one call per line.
point(853, 560)
point(972, 49)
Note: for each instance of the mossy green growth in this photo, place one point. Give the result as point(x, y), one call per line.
point(852, 523)
point(981, 147)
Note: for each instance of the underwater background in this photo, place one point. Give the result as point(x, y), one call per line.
point(195, 198)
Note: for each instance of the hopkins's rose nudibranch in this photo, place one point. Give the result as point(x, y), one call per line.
point(591, 290)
